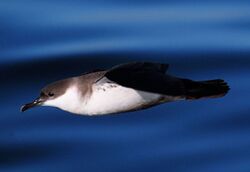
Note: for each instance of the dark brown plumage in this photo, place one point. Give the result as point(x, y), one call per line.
point(151, 77)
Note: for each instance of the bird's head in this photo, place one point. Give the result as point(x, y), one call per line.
point(53, 94)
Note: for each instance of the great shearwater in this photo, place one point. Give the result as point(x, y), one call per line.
point(122, 88)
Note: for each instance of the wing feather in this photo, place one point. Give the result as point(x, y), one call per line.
point(145, 76)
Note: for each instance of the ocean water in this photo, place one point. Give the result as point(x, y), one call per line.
point(43, 41)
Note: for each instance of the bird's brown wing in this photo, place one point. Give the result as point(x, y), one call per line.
point(146, 76)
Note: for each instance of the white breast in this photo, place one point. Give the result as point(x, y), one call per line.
point(112, 98)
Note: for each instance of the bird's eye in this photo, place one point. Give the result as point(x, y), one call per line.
point(51, 94)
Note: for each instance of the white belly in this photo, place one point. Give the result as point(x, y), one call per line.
point(113, 98)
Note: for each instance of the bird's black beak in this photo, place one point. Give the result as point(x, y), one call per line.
point(36, 102)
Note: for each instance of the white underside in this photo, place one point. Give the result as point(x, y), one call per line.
point(106, 98)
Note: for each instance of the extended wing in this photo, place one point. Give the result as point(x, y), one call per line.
point(146, 76)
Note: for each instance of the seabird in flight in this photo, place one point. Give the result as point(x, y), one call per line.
point(122, 88)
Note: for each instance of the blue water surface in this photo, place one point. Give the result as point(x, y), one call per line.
point(43, 41)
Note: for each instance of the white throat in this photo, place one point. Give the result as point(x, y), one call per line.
point(70, 101)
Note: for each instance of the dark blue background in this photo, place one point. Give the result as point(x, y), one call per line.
point(43, 41)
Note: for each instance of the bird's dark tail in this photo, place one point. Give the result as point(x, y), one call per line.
point(205, 89)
